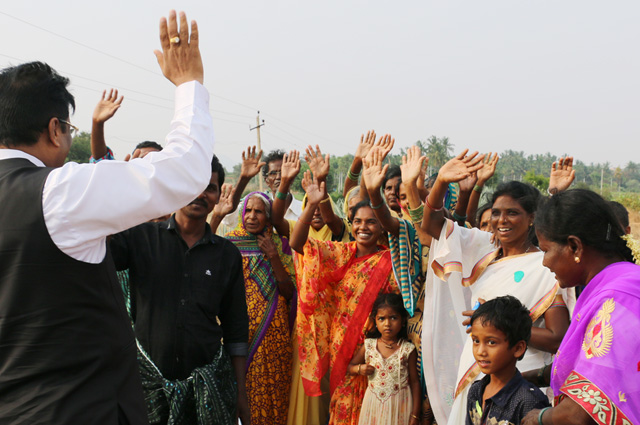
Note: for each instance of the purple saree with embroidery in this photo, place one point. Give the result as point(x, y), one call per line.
point(598, 362)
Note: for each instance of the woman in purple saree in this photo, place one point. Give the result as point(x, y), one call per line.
point(596, 373)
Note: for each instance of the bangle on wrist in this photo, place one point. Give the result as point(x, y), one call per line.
point(552, 191)
point(375, 207)
point(477, 188)
point(417, 214)
point(359, 366)
point(415, 417)
point(457, 217)
point(325, 200)
point(426, 202)
point(540, 415)
point(281, 195)
point(353, 177)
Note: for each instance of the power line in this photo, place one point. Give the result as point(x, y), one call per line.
point(305, 131)
point(158, 74)
point(80, 44)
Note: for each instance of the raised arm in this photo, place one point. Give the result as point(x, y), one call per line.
point(289, 171)
point(250, 167)
point(412, 169)
point(113, 195)
point(104, 110)
point(319, 166)
point(373, 176)
point(484, 174)
point(225, 206)
point(455, 170)
point(365, 145)
point(561, 175)
point(315, 194)
point(466, 187)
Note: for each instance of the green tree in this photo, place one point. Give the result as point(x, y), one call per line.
point(438, 150)
point(539, 181)
point(80, 151)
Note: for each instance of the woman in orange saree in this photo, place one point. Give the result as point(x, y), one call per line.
point(337, 285)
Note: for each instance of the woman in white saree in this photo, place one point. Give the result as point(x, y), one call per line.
point(467, 267)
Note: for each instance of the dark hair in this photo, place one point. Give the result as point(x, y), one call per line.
point(30, 95)
point(621, 212)
point(354, 209)
point(149, 145)
point(586, 215)
point(216, 167)
point(527, 196)
point(508, 315)
point(394, 302)
point(481, 210)
point(431, 181)
point(276, 155)
point(392, 172)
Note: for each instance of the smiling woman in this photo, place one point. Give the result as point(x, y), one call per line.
point(337, 286)
point(475, 269)
point(595, 374)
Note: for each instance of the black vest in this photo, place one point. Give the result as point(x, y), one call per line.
point(67, 351)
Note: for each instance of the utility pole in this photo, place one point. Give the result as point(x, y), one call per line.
point(257, 128)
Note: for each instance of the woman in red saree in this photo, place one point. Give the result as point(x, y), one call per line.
point(337, 285)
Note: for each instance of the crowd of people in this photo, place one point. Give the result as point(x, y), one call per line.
point(124, 300)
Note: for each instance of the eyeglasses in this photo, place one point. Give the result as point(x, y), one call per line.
point(72, 128)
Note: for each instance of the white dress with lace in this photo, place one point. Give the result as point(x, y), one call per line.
point(388, 397)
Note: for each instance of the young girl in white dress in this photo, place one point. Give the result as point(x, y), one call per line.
point(390, 362)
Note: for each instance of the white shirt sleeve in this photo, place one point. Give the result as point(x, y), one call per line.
point(84, 203)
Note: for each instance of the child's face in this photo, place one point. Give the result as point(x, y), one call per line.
point(491, 348)
point(388, 322)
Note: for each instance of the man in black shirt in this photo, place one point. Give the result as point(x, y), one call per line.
point(187, 296)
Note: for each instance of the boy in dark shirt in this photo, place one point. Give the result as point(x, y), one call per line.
point(500, 331)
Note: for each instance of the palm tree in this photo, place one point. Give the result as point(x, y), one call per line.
point(439, 151)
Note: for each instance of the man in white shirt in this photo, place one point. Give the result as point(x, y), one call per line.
point(67, 350)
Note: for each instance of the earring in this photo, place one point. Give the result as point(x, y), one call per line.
point(576, 259)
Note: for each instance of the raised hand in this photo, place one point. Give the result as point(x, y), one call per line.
point(225, 205)
point(290, 165)
point(365, 145)
point(180, 58)
point(488, 168)
point(315, 190)
point(466, 184)
point(374, 172)
point(385, 144)
point(318, 164)
point(107, 106)
point(412, 165)
point(251, 164)
point(460, 167)
point(561, 175)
